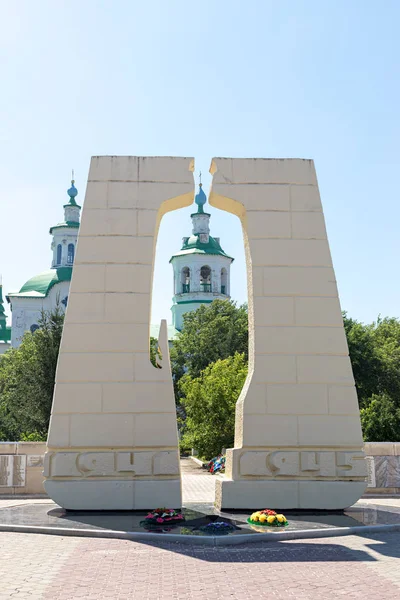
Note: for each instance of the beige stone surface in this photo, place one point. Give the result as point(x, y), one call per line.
point(88, 278)
point(263, 170)
point(95, 367)
point(330, 430)
point(290, 253)
point(305, 398)
point(380, 449)
point(120, 494)
point(113, 418)
point(301, 340)
point(305, 198)
point(127, 278)
point(318, 312)
point(105, 337)
point(324, 369)
point(274, 311)
point(25, 471)
point(34, 481)
point(277, 429)
point(272, 368)
point(103, 221)
point(126, 308)
point(329, 495)
point(268, 225)
point(298, 281)
point(297, 418)
point(136, 397)
point(77, 397)
point(307, 225)
point(342, 400)
point(251, 494)
point(8, 447)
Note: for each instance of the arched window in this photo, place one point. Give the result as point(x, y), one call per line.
point(224, 281)
point(70, 255)
point(205, 279)
point(59, 250)
point(185, 279)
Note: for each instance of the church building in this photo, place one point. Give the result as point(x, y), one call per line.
point(201, 267)
point(44, 291)
point(5, 330)
point(201, 271)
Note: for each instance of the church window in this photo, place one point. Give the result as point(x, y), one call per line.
point(59, 250)
point(205, 279)
point(71, 253)
point(185, 278)
point(224, 280)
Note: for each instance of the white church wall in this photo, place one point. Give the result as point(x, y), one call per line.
point(63, 237)
point(195, 262)
point(26, 311)
point(186, 301)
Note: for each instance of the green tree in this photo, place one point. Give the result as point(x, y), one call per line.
point(380, 420)
point(387, 343)
point(364, 358)
point(154, 351)
point(212, 332)
point(27, 376)
point(375, 356)
point(210, 401)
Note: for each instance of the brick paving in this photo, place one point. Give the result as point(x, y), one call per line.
point(64, 568)
point(197, 484)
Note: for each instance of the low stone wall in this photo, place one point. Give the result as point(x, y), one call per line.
point(383, 467)
point(21, 468)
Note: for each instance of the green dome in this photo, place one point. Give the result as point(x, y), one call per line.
point(192, 245)
point(41, 284)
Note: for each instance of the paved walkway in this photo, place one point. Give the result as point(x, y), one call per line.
point(40, 567)
point(197, 484)
point(63, 568)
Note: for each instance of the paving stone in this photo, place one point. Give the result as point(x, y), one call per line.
point(41, 567)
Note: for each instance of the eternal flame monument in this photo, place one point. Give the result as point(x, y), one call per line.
point(113, 437)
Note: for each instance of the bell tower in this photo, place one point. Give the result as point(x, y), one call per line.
point(65, 235)
point(201, 268)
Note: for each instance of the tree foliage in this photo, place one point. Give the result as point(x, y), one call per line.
point(209, 402)
point(375, 356)
point(210, 333)
point(154, 352)
point(380, 420)
point(213, 343)
point(27, 376)
point(214, 332)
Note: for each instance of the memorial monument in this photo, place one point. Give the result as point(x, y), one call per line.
point(113, 439)
point(298, 441)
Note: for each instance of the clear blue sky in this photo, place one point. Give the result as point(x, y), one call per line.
point(287, 78)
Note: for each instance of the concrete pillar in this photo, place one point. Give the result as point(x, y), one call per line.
point(113, 440)
point(298, 441)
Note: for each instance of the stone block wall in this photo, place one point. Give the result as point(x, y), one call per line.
point(383, 467)
point(298, 436)
point(21, 468)
point(113, 440)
